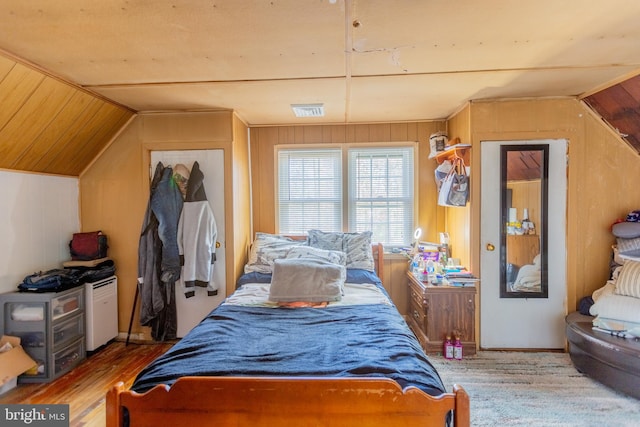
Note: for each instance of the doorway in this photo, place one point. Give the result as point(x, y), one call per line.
point(522, 322)
point(192, 310)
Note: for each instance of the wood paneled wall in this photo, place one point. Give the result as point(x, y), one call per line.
point(114, 191)
point(395, 280)
point(242, 196)
point(601, 185)
point(264, 140)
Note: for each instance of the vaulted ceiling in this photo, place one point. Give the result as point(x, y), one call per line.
point(50, 126)
point(365, 60)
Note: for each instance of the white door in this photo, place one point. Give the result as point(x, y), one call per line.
point(522, 323)
point(192, 310)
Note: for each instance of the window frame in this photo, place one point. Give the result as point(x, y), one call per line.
point(345, 147)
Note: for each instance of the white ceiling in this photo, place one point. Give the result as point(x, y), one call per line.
point(366, 60)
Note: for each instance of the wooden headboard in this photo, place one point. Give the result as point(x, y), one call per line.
point(376, 248)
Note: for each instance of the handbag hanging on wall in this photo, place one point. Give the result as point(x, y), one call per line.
point(88, 246)
point(454, 191)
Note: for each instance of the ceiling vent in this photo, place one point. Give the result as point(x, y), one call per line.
point(308, 110)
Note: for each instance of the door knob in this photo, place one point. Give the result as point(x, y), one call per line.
point(490, 247)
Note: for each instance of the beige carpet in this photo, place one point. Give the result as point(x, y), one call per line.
point(535, 389)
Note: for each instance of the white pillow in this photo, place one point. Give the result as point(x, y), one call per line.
point(335, 257)
point(357, 246)
point(358, 249)
point(266, 248)
point(628, 281)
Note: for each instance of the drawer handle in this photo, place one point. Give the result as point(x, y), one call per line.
point(416, 315)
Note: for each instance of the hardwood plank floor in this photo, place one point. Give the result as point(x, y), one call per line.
point(85, 387)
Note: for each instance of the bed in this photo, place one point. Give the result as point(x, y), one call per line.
point(253, 361)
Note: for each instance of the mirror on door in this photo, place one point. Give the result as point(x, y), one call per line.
point(524, 199)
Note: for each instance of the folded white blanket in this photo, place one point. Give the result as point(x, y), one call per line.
point(306, 279)
point(25, 313)
point(618, 307)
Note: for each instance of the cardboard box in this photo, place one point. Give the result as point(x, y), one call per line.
point(13, 362)
point(9, 385)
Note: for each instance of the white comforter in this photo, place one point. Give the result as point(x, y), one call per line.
point(257, 294)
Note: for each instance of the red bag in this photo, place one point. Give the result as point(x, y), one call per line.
point(88, 246)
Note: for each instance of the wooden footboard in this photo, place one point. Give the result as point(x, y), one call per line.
point(268, 401)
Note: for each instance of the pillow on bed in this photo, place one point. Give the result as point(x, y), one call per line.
point(331, 241)
point(306, 279)
point(628, 281)
point(357, 246)
point(358, 249)
point(266, 248)
point(335, 257)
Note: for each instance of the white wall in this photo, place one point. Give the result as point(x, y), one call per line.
point(38, 215)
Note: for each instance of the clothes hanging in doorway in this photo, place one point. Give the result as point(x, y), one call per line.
point(197, 233)
point(158, 256)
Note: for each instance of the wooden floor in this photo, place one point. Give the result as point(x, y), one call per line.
point(85, 387)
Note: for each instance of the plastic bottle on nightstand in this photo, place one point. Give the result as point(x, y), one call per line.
point(431, 271)
point(448, 348)
point(457, 349)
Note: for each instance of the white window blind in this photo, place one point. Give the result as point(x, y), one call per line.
point(381, 193)
point(309, 190)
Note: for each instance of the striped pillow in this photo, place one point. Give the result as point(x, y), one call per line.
point(630, 247)
point(357, 246)
point(628, 282)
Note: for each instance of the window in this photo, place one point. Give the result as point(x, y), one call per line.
point(381, 193)
point(309, 190)
point(378, 191)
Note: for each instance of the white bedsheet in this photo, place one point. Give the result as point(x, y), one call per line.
point(257, 294)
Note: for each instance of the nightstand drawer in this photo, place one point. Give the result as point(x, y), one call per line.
point(415, 294)
point(417, 314)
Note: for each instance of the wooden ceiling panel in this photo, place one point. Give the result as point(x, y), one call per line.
point(53, 137)
point(112, 120)
point(366, 61)
point(74, 158)
point(68, 132)
point(43, 119)
point(15, 89)
point(184, 54)
point(32, 118)
point(619, 106)
point(5, 67)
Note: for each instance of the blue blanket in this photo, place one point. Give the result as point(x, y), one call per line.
point(348, 341)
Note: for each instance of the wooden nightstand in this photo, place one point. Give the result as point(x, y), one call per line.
point(437, 311)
